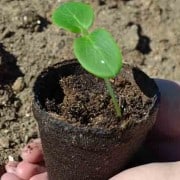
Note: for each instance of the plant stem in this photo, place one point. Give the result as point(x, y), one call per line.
point(112, 94)
point(84, 32)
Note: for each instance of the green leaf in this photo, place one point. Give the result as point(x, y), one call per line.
point(99, 54)
point(76, 17)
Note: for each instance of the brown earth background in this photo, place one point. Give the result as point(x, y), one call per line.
point(148, 31)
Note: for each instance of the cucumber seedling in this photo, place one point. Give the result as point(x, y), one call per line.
point(96, 51)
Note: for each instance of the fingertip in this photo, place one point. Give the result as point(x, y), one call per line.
point(26, 170)
point(33, 152)
point(10, 176)
point(42, 176)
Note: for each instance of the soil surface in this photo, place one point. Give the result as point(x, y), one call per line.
point(147, 31)
point(83, 100)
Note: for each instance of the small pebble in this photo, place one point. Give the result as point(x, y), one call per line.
point(10, 158)
point(18, 84)
point(131, 43)
point(4, 142)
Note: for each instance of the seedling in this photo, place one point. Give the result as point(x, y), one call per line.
point(96, 51)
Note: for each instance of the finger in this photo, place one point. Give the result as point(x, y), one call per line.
point(32, 152)
point(42, 176)
point(26, 170)
point(11, 166)
point(160, 171)
point(10, 176)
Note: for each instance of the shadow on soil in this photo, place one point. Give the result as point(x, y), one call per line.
point(9, 71)
point(143, 45)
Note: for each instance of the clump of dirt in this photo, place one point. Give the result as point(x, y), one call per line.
point(147, 31)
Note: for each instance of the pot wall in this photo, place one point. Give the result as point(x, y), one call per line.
point(84, 153)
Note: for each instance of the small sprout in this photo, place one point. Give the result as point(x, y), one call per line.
point(96, 51)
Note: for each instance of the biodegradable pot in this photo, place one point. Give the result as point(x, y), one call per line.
point(88, 151)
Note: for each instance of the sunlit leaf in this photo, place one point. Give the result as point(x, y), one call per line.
point(99, 54)
point(74, 16)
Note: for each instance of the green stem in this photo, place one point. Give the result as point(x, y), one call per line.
point(112, 94)
point(84, 32)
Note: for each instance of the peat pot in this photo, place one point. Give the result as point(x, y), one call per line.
point(81, 136)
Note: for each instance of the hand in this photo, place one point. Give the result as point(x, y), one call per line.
point(32, 167)
point(164, 141)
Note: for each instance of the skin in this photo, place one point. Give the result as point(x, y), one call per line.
point(164, 142)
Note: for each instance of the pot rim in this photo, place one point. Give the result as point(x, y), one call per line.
point(83, 129)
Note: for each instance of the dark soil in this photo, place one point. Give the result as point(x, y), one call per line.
point(146, 30)
point(86, 101)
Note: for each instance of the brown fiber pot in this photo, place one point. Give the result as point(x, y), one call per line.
point(80, 153)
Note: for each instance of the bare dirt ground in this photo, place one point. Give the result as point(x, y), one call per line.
point(148, 31)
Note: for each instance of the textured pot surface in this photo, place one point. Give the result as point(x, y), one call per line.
point(82, 152)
